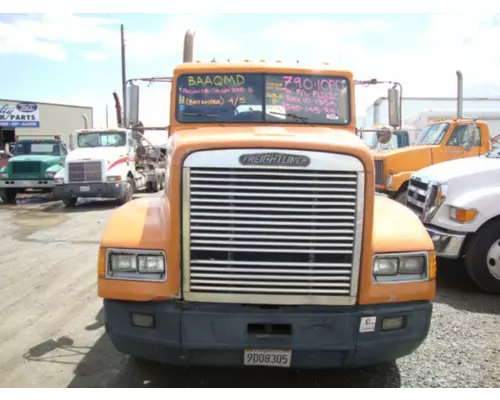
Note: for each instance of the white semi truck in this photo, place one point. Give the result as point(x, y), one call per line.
point(109, 163)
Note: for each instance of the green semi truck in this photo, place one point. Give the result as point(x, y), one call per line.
point(32, 167)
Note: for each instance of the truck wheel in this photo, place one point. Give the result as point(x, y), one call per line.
point(155, 186)
point(8, 196)
point(129, 192)
point(482, 258)
point(401, 197)
point(70, 202)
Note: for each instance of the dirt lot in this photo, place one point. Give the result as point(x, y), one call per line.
point(52, 335)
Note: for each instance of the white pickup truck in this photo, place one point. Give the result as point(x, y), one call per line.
point(459, 203)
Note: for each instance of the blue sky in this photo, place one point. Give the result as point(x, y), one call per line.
point(75, 58)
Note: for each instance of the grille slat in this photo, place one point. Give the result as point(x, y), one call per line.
point(89, 171)
point(271, 231)
point(272, 188)
point(291, 195)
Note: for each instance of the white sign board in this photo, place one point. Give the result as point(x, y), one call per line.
point(20, 115)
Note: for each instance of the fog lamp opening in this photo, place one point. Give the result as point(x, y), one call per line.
point(392, 323)
point(143, 320)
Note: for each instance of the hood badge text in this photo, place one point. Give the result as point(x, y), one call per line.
point(275, 159)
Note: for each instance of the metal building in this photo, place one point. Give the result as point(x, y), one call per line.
point(18, 118)
point(413, 106)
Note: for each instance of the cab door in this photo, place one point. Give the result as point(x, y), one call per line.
point(457, 145)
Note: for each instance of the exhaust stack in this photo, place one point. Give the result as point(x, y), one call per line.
point(85, 121)
point(189, 46)
point(460, 94)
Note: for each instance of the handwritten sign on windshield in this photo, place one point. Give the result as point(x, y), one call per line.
point(314, 97)
point(219, 90)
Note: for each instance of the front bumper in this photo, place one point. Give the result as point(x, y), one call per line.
point(446, 244)
point(26, 184)
point(111, 190)
point(217, 334)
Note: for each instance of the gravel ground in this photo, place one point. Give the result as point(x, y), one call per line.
point(51, 322)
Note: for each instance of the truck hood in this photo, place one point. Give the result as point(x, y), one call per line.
point(406, 159)
point(97, 153)
point(293, 137)
point(34, 157)
point(459, 169)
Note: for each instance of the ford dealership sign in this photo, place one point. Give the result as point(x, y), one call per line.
point(20, 115)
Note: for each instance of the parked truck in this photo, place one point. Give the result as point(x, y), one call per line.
point(459, 203)
point(268, 246)
point(32, 167)
point(109, 163)
point(443, 140)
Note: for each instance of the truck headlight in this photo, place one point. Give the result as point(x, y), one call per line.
point(58, 181)
point(389, 182)
point(139, 265)
point(400, 267)
point(51, 174)
point(114, 178)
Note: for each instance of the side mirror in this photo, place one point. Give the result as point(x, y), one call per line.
point(6, 148)
point(71, 142)
point(384, 136)
point(132, 116)
point(394, 111)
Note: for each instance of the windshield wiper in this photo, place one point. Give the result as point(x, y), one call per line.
point(205, 115)
point(291, 115)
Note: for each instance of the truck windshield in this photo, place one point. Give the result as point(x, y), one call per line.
point(37, 148)
point(265, 98)
point(102, 139)
point(433, 134)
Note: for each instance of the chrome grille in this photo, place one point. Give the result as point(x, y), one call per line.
point(270, 231)
point(379, 172)
point(26, 167)
point(90, 171)
point(417, 195)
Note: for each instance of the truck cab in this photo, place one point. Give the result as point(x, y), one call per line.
point(106, 163)
point(33, 164)
point(268, 246)
point(441, 141)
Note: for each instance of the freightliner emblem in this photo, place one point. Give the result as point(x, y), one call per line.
point(275, 159)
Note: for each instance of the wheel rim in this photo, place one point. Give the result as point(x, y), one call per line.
point(493, 259)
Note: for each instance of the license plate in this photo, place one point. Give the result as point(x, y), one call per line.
point(268, 358)
point(84, 188)
point(25, 183)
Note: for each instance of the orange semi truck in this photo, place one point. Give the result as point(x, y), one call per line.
point(268, 246)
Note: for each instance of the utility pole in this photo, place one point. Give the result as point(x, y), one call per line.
point(124, 78)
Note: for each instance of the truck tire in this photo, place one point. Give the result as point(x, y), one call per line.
point(482, 257)
point(70, 202)
point(155, 186)
point(8, 196)
point(129, 192)
point(401, 197)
